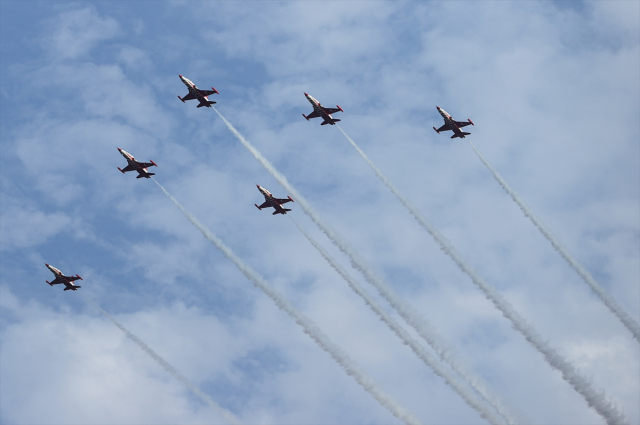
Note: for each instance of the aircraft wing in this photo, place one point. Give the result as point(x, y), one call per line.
point(56, 281)
point(314, 114)
point(331, 110)
point(204, 93)
point(71, 278)
point(283, 201)
point(266, 204)
point(445, 127)
point(129, 167)
point(145, 164)
point(462, 123)
point(190, 96)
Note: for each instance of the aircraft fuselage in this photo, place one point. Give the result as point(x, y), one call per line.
point(61, 278)
point(450, 122)
point(453, 125)
point(317, 106)
point(135, 165)
point(196, 93)
point(272, 201)
point(321, 111)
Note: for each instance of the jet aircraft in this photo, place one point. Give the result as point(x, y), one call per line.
point(61, 278)
point(140, 167)
point(196, 93)
point(321, 111)
point(271, 201)
point(451, 124)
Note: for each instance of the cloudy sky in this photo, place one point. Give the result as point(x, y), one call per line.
point(552, 88)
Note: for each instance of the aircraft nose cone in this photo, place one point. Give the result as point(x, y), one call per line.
point(437, 107)
point(306, 94)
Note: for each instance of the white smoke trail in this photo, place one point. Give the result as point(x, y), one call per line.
point(467, 395)
point(408, 313)
point(308, 326)
point(596, 399)
point(230, 417)
point(615, 308)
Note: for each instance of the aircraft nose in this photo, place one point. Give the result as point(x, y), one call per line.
point(437, 107)
point(306, 94)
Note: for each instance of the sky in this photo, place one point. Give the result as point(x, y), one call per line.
point(553, 91)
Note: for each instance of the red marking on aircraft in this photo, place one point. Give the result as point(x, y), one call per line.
point(271, 201)
point(61, 278)
point(453, 125)
point(321, 111)
point(133, 165)
point(196, 93)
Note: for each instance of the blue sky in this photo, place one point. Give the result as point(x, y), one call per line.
point(552, 88)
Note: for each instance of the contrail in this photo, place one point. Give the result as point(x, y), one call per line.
point(308, 326)
point(467, 395)
point(408, 313)
point(596, 399)
point(230, 417)
point(615, 308)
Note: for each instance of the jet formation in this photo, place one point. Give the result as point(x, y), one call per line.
point(270, 201)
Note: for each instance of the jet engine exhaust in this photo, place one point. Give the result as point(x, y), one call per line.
point(414, 319)
point(468, 396)
point(307, 325)
point(607, 299)
point(596, 399)
point(230, 417)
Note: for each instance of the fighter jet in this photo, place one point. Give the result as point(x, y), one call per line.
point(60, 278)
point(196, 93)
point(321, 111)
point(140, 167)
point(451, 124)
point(271, 201)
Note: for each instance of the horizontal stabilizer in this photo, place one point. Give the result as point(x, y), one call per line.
point(207, 104)
point(72, 288)
point(147, 175)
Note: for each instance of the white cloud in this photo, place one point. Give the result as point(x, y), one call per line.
point(75, 32)
point(24, 227)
